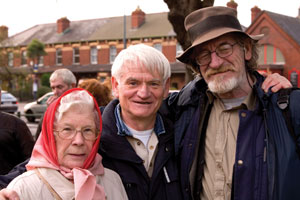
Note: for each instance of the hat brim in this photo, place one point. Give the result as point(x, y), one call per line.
point(186, 56)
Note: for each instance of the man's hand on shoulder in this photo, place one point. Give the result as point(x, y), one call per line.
point(276, 80)
point(8, 194)
point(51, 99)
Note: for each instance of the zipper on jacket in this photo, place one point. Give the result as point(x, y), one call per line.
point(270, 188)
point(267, 134)
point(166, 174)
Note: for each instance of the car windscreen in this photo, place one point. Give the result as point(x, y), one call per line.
point(7, 96)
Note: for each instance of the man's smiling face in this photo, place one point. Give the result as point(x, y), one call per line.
point(140, 93)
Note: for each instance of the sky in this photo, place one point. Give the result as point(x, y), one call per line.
point(19, 15)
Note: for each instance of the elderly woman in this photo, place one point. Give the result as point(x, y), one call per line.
point(65, 163)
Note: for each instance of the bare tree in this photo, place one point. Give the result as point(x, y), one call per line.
point(179, 9)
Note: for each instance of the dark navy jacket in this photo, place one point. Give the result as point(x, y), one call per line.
point(119, 156)
point(270, 169)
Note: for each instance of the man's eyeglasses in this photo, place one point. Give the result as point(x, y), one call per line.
point(223, 50)
point(69, 133)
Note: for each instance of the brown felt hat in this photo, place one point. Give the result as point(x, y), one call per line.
point(208, 23)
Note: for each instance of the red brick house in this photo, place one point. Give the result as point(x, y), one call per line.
point(89, 47)
point(280, 46)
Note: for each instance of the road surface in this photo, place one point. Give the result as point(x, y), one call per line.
point(32, 126)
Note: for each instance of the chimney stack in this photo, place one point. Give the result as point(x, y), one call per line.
point(62, 24)
point(3, 33)
point(232, 4)
point(299, 13)
point(254, 12)
point(137, 18)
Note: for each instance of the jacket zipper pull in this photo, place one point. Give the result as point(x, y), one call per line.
point(166, 175)
point(265, 154)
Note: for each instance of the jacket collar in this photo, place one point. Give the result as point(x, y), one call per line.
point(123, 130)
point(189, 95)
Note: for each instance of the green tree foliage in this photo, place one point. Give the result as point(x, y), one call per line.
point(35, 50)
point(43, 90)
point(45, 79)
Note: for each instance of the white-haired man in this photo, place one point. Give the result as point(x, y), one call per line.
point(136, 141)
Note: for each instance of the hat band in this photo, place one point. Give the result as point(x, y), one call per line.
point(212, 23)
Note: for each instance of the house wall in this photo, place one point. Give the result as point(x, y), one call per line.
point(275, 36)
point(168, 49)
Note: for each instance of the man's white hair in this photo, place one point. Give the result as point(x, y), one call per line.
point(141, 55)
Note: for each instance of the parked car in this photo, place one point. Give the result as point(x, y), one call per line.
point(36, 109)
point(9, 103)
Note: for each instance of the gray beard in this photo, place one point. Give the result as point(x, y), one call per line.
point(219, 86)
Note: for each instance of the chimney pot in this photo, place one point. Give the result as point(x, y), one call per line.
point(137, 18)
point(232, 4)
point(254, 12)
point(62, 24)
point(3, 33)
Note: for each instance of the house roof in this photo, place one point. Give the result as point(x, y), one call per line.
point(156, 25)
point(291, 25)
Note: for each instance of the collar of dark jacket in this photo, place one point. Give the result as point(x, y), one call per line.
point(123, 130)
point(189, 95)
point(262, 96)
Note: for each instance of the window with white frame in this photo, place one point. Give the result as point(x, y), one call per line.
point(41, 61)
point(94, 55)
point(158, 46)
point(112, 53)
point(269, 54)
point(58, 56)
point(23, 58)
point(76, 57)
point(10, 59)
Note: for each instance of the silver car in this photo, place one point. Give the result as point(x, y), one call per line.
point(9, 102)
point(36, 109)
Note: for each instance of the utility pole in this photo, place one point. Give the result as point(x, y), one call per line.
point(124, 33)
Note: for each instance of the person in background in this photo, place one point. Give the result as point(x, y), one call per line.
point(100, 91)
point(34, 88)
point(137, 142)
point(61, 80)
point(232, 139)
point(16, 141)
point(65, 163)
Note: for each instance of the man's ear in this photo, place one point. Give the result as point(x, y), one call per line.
point(114, 86)
point(248, 50)
point(167, 88)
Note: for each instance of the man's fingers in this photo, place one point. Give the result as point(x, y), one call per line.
point(8, 194)
point(51, 99)
point(277, 81)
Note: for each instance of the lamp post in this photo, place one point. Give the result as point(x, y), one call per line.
point(124, 32)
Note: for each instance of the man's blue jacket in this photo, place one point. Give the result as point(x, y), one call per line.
point(271, 167)
point(118, 155)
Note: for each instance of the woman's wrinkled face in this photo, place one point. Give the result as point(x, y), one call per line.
point(73, 152)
